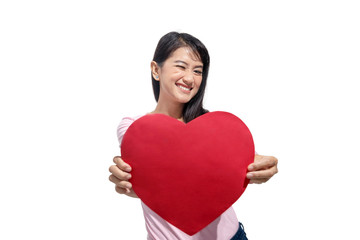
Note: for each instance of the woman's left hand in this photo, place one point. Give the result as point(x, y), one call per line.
point(263, 168)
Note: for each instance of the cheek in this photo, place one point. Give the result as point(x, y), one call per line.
point(198, 81)
point(197, 84)
point(174, 76)
point(178, 74)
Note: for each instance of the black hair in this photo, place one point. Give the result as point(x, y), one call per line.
point(166, 46)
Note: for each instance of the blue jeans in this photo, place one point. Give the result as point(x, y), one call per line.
point(240, 234)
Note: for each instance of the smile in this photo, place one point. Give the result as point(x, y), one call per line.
point(182, 87)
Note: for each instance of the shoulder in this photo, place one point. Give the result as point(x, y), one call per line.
point(124, 125)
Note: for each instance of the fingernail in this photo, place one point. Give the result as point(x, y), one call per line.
point(128, 176)
point(249, 175)
point(128, 169)
point(251, 168)
point(128, 185)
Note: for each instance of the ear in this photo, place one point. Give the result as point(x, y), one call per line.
point(155, 70)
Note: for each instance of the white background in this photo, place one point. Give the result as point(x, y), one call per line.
point(70, 70)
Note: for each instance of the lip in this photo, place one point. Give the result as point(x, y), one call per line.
point(185, 86)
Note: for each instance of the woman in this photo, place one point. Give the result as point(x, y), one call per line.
point(179, 73)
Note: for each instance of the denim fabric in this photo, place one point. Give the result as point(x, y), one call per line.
point(240, 234)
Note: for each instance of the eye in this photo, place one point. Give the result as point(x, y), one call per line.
point(180, 66)
point(198, 72)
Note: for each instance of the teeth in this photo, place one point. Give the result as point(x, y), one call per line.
point(184, 88)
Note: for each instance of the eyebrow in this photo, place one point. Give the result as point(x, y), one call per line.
point(179, 61)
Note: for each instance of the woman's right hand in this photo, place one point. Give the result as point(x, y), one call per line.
point(120, 177)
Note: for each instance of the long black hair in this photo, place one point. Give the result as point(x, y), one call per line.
point(166, 46)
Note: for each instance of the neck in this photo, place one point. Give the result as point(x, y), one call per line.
point(171, 109)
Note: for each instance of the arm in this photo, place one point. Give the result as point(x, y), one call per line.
point(120, 172)
point(263, 168)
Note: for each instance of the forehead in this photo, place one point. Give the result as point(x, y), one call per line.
point(186, 54)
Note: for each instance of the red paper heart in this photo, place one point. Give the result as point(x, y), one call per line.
point(189, 174)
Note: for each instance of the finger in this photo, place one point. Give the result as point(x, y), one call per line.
point(268, 173)
point(116, 158)
point(117, 172)
point(263, 162)
point(119, 183)
point(121, 164)
point(114, 179)
point(122, 190)
point(259, 181)
point(124, 184)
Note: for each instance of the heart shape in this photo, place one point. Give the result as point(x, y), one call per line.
point(189, 174)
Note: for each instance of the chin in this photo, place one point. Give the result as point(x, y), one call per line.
point(184, 100)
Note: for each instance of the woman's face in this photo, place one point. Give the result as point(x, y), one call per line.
point(180, 76)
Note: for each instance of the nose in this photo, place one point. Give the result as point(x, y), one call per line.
point(188, 78)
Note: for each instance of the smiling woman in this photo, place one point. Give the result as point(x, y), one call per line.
point(180, 78)
point(179, 73)
point(190, 56)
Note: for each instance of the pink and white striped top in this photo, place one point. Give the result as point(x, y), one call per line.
point(222, 228)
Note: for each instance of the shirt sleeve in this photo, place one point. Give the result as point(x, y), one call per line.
point(123, 126)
